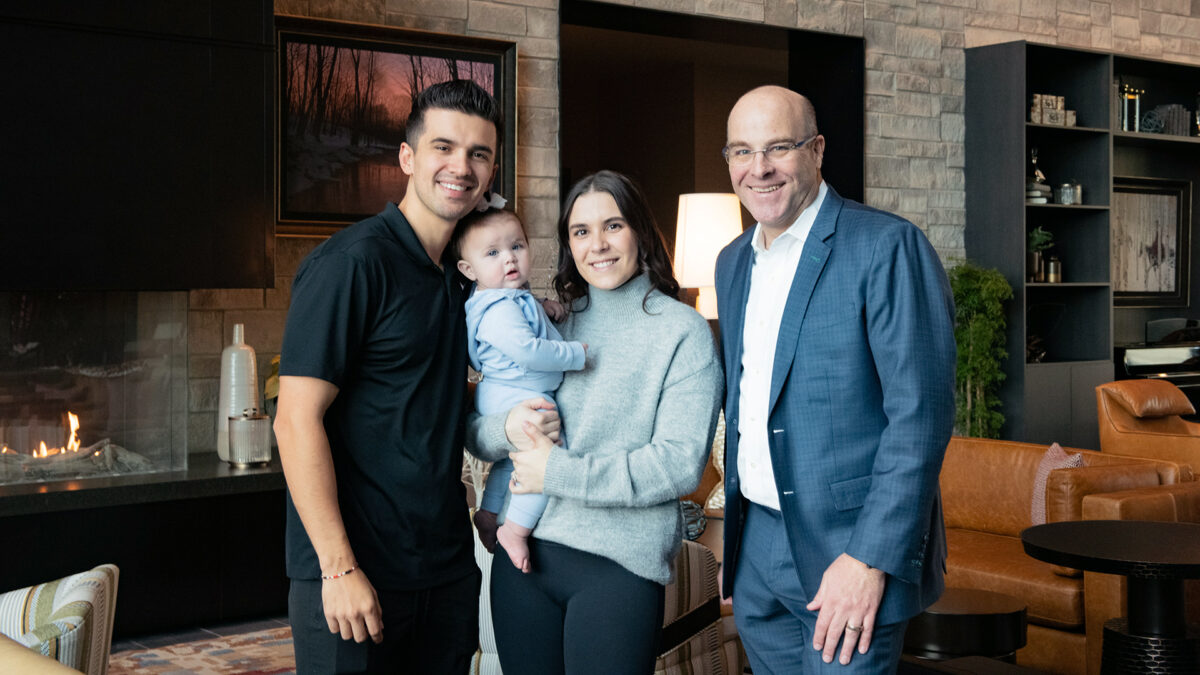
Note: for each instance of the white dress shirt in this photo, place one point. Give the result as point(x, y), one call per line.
point(770, 282)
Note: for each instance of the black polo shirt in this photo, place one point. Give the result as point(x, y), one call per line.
point(372, 314)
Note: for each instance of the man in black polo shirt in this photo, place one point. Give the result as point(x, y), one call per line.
point(371, 410)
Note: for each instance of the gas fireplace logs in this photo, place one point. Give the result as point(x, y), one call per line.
point(99, 459)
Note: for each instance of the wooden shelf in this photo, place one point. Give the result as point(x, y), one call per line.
point(1092, 130)
point(1062, 362)
point(1138, 138)
point(1081, 207)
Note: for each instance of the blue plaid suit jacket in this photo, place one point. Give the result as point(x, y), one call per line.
point(861, 401)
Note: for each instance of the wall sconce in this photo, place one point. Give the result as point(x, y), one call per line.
point(707, 222)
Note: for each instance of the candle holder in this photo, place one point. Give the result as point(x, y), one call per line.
point(1131, 95)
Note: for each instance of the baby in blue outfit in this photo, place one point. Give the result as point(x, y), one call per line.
point(521, 355)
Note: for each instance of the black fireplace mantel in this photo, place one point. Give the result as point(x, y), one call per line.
point(197, 547)
point(206, 476)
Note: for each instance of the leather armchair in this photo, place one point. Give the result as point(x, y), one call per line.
point(1142, 418)
point(987, 492)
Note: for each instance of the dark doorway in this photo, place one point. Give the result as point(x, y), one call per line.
point(647, 93)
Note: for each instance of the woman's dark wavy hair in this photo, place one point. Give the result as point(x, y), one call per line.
point(653, 259)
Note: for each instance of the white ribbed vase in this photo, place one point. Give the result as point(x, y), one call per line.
point(239, 386)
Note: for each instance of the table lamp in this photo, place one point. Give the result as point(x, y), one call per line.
point(707, 222)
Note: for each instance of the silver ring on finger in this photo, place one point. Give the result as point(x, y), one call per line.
point(854, 629)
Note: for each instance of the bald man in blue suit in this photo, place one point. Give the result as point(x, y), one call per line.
point(837, 334)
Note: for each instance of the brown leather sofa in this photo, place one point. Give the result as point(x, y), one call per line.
point(987, 491)
point(1141, 418)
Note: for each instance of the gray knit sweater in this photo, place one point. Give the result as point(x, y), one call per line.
point(639, 420)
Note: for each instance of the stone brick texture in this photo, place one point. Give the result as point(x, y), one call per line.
point(914, 122)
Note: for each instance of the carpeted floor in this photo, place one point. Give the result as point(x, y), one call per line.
point(265, 652)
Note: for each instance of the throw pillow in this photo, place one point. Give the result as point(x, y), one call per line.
point(1055, 458)
point(694, 521)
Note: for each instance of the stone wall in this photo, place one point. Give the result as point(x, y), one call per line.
point(914, 104)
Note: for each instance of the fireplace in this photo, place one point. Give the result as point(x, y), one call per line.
point(92, 384)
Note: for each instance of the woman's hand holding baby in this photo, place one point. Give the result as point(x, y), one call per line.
point(537, 411)
point(529, 466)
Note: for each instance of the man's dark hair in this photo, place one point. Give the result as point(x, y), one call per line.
point(462, 96)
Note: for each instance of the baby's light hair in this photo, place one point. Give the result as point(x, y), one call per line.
point(474, 220)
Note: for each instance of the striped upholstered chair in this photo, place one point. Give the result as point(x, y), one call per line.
point(69, 619)
point(692, 635)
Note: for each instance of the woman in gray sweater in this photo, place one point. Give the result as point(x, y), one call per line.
point(639, 418)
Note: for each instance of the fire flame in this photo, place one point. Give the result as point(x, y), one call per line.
point(73, 443)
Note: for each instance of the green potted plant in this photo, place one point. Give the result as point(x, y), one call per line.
point(979, 297)
point(1040, 239)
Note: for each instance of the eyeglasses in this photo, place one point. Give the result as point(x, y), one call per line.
point(740, 155)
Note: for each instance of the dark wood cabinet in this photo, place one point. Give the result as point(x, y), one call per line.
point(1072, 321)
point(138, 143)
point(197, 547)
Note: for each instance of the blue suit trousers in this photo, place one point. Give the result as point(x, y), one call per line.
point(769, 608)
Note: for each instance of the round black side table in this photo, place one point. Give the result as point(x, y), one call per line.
point(968, 622)
point(1155, 557)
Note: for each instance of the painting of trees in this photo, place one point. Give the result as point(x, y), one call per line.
point(332, 88)
point(346, 107)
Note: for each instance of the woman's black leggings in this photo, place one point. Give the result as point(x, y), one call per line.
point(576, 613)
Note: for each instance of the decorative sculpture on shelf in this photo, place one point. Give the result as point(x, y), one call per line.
point(1034, 172)
point(1037, 191)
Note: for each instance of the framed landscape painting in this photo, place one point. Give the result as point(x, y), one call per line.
point(1151, 224)
point(344, 94)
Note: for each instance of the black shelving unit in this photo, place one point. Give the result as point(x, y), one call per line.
point(1054, 399)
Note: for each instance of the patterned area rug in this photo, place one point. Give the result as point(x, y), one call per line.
point(267, 652)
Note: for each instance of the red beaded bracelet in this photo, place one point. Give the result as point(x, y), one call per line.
point(339, 574)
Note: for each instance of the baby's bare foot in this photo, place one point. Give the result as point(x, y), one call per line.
point(515, 540)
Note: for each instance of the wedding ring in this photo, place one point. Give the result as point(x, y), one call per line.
point(853, 629)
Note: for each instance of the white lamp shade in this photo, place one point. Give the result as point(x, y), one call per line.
point(707, 222)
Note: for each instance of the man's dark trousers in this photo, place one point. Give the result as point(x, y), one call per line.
point(432, 631)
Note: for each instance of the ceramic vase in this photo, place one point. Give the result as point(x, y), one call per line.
point(238, 388)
